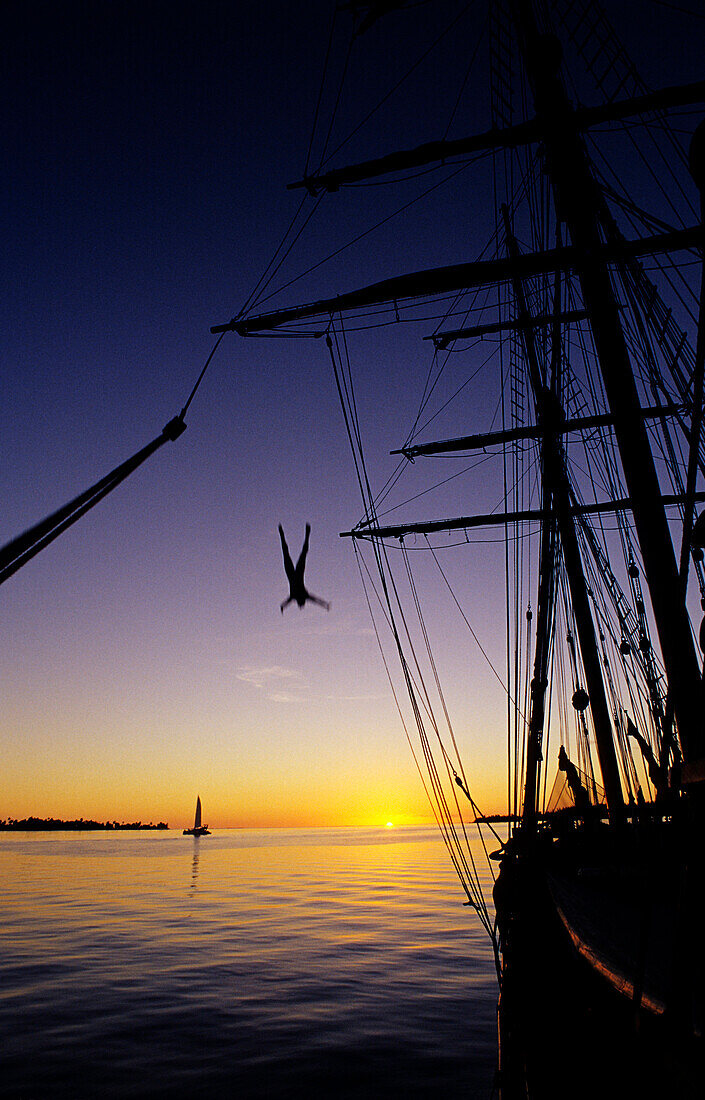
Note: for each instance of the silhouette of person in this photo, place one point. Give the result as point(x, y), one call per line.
point(579, 792)
point(295, 575)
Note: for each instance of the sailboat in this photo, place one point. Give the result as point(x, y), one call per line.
point(198, 829)
point(584, 299)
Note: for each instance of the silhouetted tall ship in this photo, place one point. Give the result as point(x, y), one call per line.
point(565, 389)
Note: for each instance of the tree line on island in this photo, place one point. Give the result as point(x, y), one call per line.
point(48, 824)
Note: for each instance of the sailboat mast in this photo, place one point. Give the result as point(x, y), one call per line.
point(577, 204)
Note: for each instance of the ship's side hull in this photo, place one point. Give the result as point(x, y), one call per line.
point(602, 984)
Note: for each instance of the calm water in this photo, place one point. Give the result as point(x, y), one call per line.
point(245, 964)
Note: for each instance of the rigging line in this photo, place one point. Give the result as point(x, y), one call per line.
point(696, 431)
point(352, 421)
point(313, 332)
point(372, 229)
point(392, 90)
point(428, 386)
point(456, 298)
point(646, 163)
point(390, 483)
point(432, 488)
point(423, 427)
point(278, 249)
point(512, 802)
point(434, 669)
point(421, 682)
point(441, 695)
point(351, 389)
point(320, 90)
point(493, 240)
point(649, 220)
point(664, 436)
point(355, 427)
point(449, 766)
point(448, 829)
point(336, 105)
point(418, 687)
point(22, 549)
point(256, 296)
point(638, 696)
point(352, 406)
point(346, 378)
point(652, 377)
point(445, 822)
point(471, 62)
point(348, 429)
point(394, 181)
point(431, 385)
point(641, 86)
point(446, 826)
point(346, 394)
point(429, 389)
point(360, 562)
point(680, 8)
point(469, 626)
point(662, 328)
point(206, 365)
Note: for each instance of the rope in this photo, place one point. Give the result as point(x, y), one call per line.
point(22, 549)
point(320, 91)
point(467, 872)
point(392, 90)
point(206, 365)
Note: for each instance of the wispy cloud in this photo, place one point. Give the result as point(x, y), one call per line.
point(266, 676)
point(286, 685)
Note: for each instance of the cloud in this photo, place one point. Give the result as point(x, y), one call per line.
point(266, 676)
point(275, 681)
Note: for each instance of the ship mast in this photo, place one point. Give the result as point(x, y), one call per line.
point(577, 202)
point(558, 515)
point(580, 206)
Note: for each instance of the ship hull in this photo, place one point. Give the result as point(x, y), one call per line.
point(602, 979)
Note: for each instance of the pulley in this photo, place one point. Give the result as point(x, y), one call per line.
point(581, 699)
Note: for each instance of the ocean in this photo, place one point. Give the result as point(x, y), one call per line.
point(275, 963)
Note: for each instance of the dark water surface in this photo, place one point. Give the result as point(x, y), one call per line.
point(276, 964)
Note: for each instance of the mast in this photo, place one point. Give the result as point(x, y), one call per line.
point(581, 207)
point(557, 509)
point(578, 205)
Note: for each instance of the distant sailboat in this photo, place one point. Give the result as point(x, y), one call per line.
point(198, 829)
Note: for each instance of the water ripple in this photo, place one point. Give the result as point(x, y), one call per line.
point(264, 964)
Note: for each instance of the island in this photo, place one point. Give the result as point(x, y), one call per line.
point(53, 824)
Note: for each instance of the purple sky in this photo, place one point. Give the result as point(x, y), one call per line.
point(146, 149)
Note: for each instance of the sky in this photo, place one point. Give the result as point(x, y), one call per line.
point(147, 148)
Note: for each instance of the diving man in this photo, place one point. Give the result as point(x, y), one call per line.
point(295, 574)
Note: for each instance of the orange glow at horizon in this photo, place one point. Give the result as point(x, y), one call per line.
point(288, 779)
point(335, 797)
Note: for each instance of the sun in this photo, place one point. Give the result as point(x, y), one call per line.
point(389, 825)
